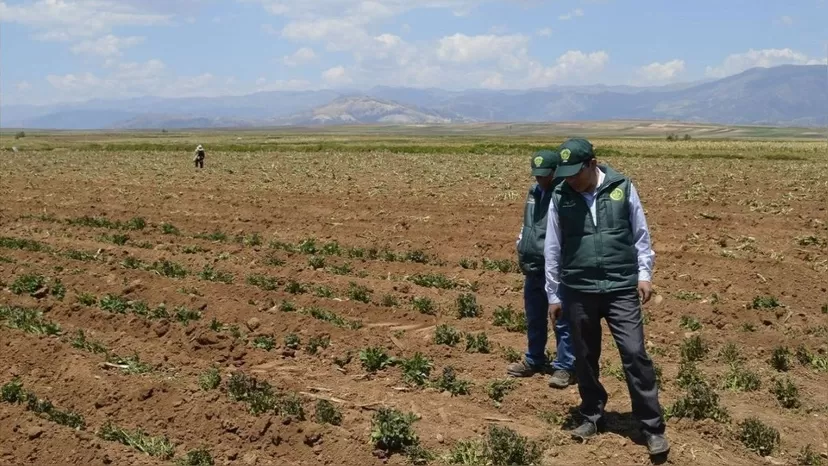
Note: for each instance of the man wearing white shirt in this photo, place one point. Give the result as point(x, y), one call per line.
point(598, 263)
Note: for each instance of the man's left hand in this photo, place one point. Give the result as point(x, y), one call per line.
point(645, 291)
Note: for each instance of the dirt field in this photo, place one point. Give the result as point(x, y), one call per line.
point(348, 243)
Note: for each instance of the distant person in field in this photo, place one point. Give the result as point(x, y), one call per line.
point(198, 156)
point(599, 263)
point(531, 260)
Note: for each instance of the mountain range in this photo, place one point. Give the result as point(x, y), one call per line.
point(788, 95)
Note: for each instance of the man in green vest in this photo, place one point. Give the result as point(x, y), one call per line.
point(599, 265)
point(530, 258)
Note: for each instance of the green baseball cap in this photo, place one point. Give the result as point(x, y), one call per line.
point(544, 162)
point(574, 152)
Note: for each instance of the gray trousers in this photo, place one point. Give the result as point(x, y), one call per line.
point(622, 311)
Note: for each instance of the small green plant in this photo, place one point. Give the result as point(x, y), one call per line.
point(741, 379)
point(317, 342)
point(808, 457)
point(758, 437)
point(389, 301)
point(688, 375)
point(327, 413)
point(81, 342)
point(13, 392)
point(374, 359)
point(263, 281)
point(764, 302)
point(329, 316)
point(265, 342)
point(416, 370)
point(117, 239)
point(748, 327)
point(58, 290)
point(787, 393)
point(447, 335)
point(505, 446)
point(467, 306)
point(169, 269)
point(79, 255)
point(184, 315)
point(501, 265)
point(511, 355)
point(690, 323)
point(468, 264)
point(210, 379)
point(29, 283)
point(323, 291)
point(730, 354)
point(287, 306)
point(688, 295)
point(781, 359)
point(359, 293)
point(344, 360)
point(257, 394)
point(160, 447)
point(498, 389)
point(292, 341)
point(169, 229)
point(700, 402)
point(28, 320)
point(316, 262)
point(342, 269)
point(424, 305)
point(211, 274)
point(392, 430)
point(198, 457)
point(509, 319)
point(449, 382)
point(215, 236)
point(433, 281)
point(87, 299)
point(294, 287)
point(478, 343)
point(693, 349)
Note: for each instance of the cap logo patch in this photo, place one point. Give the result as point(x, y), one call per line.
point(617, 194)
point(538, 161)
point(565, 154)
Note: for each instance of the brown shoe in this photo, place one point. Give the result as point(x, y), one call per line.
point(524, 369)
point(562, 379)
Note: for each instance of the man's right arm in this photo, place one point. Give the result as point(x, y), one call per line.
point(552, 253)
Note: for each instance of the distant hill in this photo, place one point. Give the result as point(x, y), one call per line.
point(788, 95)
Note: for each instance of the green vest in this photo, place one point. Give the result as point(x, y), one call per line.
point(533, 234)
point(601, 257)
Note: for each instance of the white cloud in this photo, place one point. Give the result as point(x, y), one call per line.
point(545, 32)
point(573, 64)
point(662, 72)
point(495, 81)
point(786, 20)
point(766, 58)
point(577, 12)
point(66, 19)
point(264, 85)
point(24, 86)
point(340, 34)
point(106, 46)
point(460, 48)
point(300, 57)
point(336, 76)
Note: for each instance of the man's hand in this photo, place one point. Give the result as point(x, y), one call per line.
point(645, 291)
point(554, 311)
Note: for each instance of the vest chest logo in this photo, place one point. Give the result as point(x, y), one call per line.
point(567, 204)
point(538, 161)
point(617, 194)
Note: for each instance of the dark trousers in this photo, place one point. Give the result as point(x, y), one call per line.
point(622, 311)
point(199, 162)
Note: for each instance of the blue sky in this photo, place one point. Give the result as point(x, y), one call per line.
point(68, 50)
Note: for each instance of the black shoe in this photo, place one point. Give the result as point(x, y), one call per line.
point(657, 444)
point(586, 430)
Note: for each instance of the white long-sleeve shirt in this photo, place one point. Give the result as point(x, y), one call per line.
point(552, 243)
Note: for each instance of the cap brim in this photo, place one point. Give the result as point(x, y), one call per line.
point(564, 171)
point(541, 171)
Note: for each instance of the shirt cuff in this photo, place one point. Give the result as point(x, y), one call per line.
point(644, 276)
